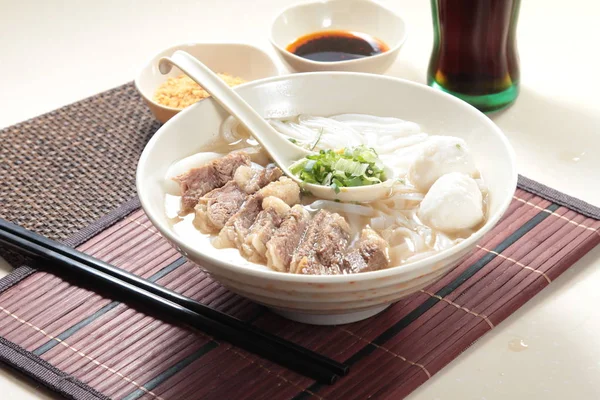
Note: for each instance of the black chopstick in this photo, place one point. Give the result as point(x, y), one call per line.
point(174, 305)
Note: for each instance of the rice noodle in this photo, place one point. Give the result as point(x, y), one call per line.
point(294, 131)
point(378, 125)
point(418, 257)
point(232, 131)
point(342, 207)
point(444, 242)
point(382, 222)
point(406, 141)
point(409, 196)
point(327, 126)
point(400, 252)
point(482, 186)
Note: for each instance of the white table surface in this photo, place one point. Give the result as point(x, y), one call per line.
point(56, 52)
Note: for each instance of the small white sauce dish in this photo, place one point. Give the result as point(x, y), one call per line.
point(236, 59)
point(364, 16)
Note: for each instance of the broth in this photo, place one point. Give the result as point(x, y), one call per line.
point(394, 218)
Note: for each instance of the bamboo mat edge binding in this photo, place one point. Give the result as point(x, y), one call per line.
point(548, 193)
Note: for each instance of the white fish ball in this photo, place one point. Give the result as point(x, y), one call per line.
point(453, 203)
point(440, 156)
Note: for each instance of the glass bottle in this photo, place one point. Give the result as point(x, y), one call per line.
point(474, 54)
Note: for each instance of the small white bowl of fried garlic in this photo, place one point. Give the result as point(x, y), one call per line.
point(168, 94)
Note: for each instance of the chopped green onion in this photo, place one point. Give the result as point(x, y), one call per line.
point(297, 166)
point(318, 140)
point(349, 167)
point(309, 165)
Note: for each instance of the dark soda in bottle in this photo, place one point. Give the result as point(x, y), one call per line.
point(475, 55)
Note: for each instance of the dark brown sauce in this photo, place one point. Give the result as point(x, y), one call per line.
point(330, 46)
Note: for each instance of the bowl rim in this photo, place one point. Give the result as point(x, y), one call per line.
point(424, 264)
point(182, 46)
point(392, 50)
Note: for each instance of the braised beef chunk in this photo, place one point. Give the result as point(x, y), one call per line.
point(269, 219)
point(216, 207)
point(369, 255)
point(237, 227)
point(322, 249)
point(286, 238)
point(251, 182)
point(285, 189)
point(198, 181)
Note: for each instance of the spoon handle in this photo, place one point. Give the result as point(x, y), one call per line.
point(280, 149)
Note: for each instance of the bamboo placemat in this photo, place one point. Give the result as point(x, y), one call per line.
point(88, 346)
point(61, 171)
point(106, 347)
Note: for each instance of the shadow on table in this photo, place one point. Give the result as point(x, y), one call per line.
point(409, 72)
point(567, 128)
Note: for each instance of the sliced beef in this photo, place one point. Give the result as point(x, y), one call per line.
point(237, 227)
point(322, 249)
point(371, 254)
point(198, 181)
point(286, 238)
point(216, 207)
point(273, 212)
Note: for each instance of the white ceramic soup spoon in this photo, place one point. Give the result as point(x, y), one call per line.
point(283, 152)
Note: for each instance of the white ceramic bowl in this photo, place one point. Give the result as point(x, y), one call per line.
point(237, 59)
point(343, 298)
point(352, 15)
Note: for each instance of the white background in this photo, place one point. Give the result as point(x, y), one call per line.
point(56, 52)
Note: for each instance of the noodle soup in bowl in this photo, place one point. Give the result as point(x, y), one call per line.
point(366, 108)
